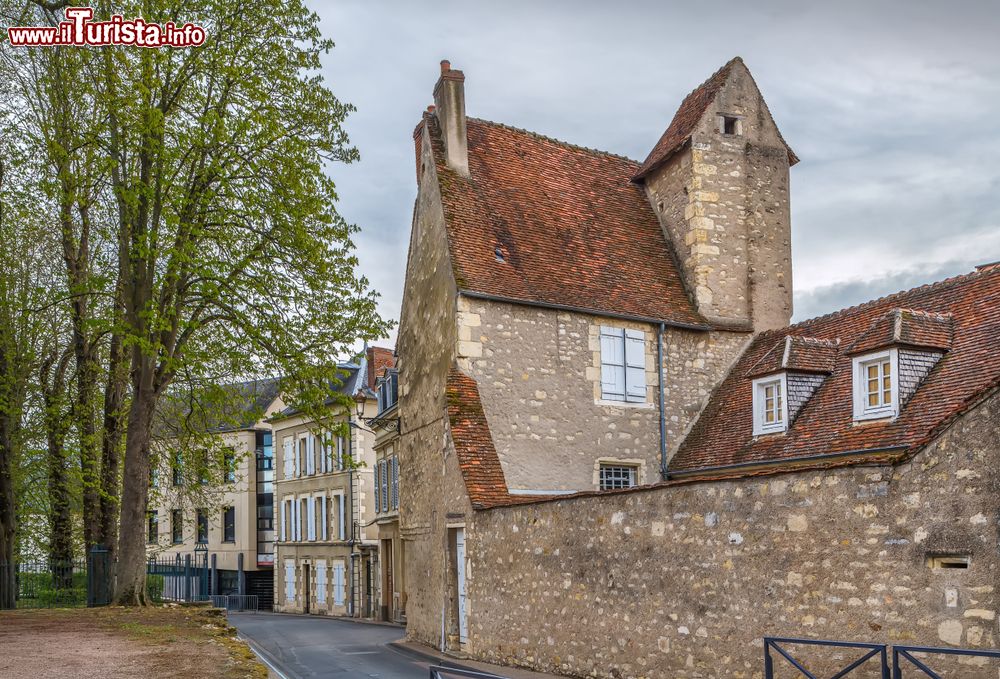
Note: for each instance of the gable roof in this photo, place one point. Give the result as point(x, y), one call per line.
point(470, 432)
point(797, 354)
point(540, 221)
point(686, 119)
point(723, 435)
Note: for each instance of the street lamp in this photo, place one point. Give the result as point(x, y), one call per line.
point(388, 423)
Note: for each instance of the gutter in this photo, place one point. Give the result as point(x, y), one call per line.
point(772, 463)
point(664, 473)
point(581, 310)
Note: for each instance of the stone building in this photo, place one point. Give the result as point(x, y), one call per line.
point(225, 506)
point(618, 459)
point(326, 559)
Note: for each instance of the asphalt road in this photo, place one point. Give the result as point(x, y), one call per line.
point(297, 647)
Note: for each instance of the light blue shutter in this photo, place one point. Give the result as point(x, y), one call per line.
point(612, 364)
point(385, 486)
point(635, 365)
point(338, 584)
point(343, 517)
point(378, 496)
point(321, 582)
point(283, 520)
point(289, 453)
point(289, 581)
point(395, 482)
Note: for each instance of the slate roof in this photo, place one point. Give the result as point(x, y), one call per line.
point(353, 378)
point(692, 109)
point(543, 221)
point(470, 432)
point(238, 408)
point(967, 306)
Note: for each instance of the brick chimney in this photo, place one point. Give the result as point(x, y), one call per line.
point(449, 106)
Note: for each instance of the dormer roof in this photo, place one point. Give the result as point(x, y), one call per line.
point(906, 327)
point(797, 354)
point(959, 317)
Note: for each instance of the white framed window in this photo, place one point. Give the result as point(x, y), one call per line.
point(876, 385)
point(623, 365)
point(614, 476)
point(770, 404)
point(288, 455)
point(321, 581)
point(338, 583)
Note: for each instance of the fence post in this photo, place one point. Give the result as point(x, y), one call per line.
point(213, 586)
point(98, 577)
point(241, 578)
point(187, 577)
point(768, 663)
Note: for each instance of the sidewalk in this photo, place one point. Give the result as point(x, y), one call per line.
point(438, 658)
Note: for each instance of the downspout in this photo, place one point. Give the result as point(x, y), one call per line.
point(664, 474)
point(350, 512)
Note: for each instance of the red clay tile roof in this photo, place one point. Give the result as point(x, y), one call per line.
point(567, 223)
point(470, 432)
point(797, 354)
point(379, 358)
point(966, 374)
point(694, 106)
point(906, 327)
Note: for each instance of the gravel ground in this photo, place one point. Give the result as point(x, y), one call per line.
point(113, 643)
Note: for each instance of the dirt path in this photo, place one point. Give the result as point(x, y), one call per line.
point(114, 643)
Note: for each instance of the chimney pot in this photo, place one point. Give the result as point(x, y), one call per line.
point(430, 108)
point(445, 65)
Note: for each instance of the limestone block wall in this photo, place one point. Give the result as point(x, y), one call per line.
point(684, 581)
point(539, 375)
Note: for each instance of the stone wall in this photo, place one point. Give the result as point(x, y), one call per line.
point(684, 581)
point(724, 204)
point(539, 378)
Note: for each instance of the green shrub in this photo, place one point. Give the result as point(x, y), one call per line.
point(154, 588)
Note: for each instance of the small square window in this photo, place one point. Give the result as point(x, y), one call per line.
point(731, 126)
point(770, 409)
point(615, 476)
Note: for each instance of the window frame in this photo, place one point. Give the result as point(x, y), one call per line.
point(615, 465)
point(177, 526)
point(862, 411)
point(229, 465)
point(228, 525)
point(625, 336)
point(760, 385)
point(200, 520)
point(152, 527)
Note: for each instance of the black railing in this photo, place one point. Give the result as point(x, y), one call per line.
point(178, 578)
point(42, 584)
point(906, 653)
point(776, 642)
point(903, 657)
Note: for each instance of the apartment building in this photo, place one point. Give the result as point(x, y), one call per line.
point(392, 583)
point(327, 546)
point(223, 505)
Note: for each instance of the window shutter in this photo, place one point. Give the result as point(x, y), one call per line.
point(310, 454)
point(341, 450)
point(295, 458)
point(321, 582)
point(338, 584)
point(612, 363)
point(385, 486)
point(378, 496)
point(289, 581)
point(342, 530)
point(296, 527)
point(311, 518)
point(327, 451)
point(395, 482)
point(635, 365)
point(289, 455)
point(283, 520)
point(323, 508)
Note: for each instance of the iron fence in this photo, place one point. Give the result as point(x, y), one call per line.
point(776, 643)
point(913, 658)
point(236, 603)
point(43, 584)
point(907, 654)
point(177, 578)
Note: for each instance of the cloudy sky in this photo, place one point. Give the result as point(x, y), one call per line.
point(893, 107)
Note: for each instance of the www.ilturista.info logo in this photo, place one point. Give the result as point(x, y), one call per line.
point(78, 29)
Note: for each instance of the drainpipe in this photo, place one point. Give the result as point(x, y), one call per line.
point(664, 474)
point(350, 514)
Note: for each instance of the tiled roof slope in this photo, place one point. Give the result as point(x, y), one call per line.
point(570, 227)
point(798, 354)
point(965, 375)
point(684, 122)
point(906, 327)
point(470, 432)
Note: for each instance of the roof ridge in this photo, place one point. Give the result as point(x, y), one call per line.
point(944, 282)
point(560, 142)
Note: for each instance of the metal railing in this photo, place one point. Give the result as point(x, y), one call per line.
point(901, 653)
point(903, 657)
point(443, 672)
point(235, 603)
point(879, 650)
point(43, 584)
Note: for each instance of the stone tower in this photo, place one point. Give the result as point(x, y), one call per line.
point(718, 180)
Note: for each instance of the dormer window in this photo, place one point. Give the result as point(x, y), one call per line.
point(876, 388)
point(388, 390)
point(770, 409)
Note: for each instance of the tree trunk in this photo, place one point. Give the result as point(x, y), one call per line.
point(114, 420)
point(56, 422)
point(8, 517)
point(130, 587)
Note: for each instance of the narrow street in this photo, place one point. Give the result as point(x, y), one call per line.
point(297, 647)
